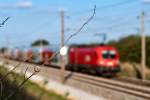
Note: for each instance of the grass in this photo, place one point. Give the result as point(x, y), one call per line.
point(148, 76)
point(30, 91)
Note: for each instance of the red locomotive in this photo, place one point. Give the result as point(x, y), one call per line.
point(98, 59)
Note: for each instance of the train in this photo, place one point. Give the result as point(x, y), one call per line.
point(98, 59)
point(38, 55)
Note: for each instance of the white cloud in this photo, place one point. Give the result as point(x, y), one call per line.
point(23, 4)
point(145, 1)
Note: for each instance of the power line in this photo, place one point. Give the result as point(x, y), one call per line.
point(116, 4)
point(107, 6)
point(117, 23)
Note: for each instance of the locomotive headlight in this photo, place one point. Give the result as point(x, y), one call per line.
point(101, 62)
point(110, 63)
point(63, 50)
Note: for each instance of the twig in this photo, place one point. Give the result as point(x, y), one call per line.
point(83, 25)
point(25, 73)
point(15, 78)
point(10, 72)
point(3, 23)
point(36, 70)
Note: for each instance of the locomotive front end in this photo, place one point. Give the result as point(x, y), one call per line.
point(108, 60)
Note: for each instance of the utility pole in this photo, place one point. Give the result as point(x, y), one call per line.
point(143, 46)
point(41, 48)
point(62, 44)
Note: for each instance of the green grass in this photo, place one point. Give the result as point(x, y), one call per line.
point(30, 91)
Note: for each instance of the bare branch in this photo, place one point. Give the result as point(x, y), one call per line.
point(36, 71)
point(84, 24)
point(15, 78)
point(10, 72)
point(3, 23)
point(16, 66)
point(25, 73)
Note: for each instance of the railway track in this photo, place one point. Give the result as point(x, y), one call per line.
point(125, 87)
point(134, 89)
point(133, 81)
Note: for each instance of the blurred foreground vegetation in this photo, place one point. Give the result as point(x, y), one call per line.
point(30, 91)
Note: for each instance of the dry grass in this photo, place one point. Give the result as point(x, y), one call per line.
point(133, 70)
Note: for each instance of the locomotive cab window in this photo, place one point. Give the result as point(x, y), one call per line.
point(108, 54)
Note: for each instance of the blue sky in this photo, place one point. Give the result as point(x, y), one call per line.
point(34, 19)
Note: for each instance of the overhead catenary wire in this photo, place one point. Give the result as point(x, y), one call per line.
point(115, 24)
point(104, 7)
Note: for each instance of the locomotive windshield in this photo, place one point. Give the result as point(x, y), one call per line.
point(109, 54)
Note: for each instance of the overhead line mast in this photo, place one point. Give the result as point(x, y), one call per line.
point(143, 46)
point(62, 44)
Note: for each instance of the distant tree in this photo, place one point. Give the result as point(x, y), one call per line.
point(40, 42)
